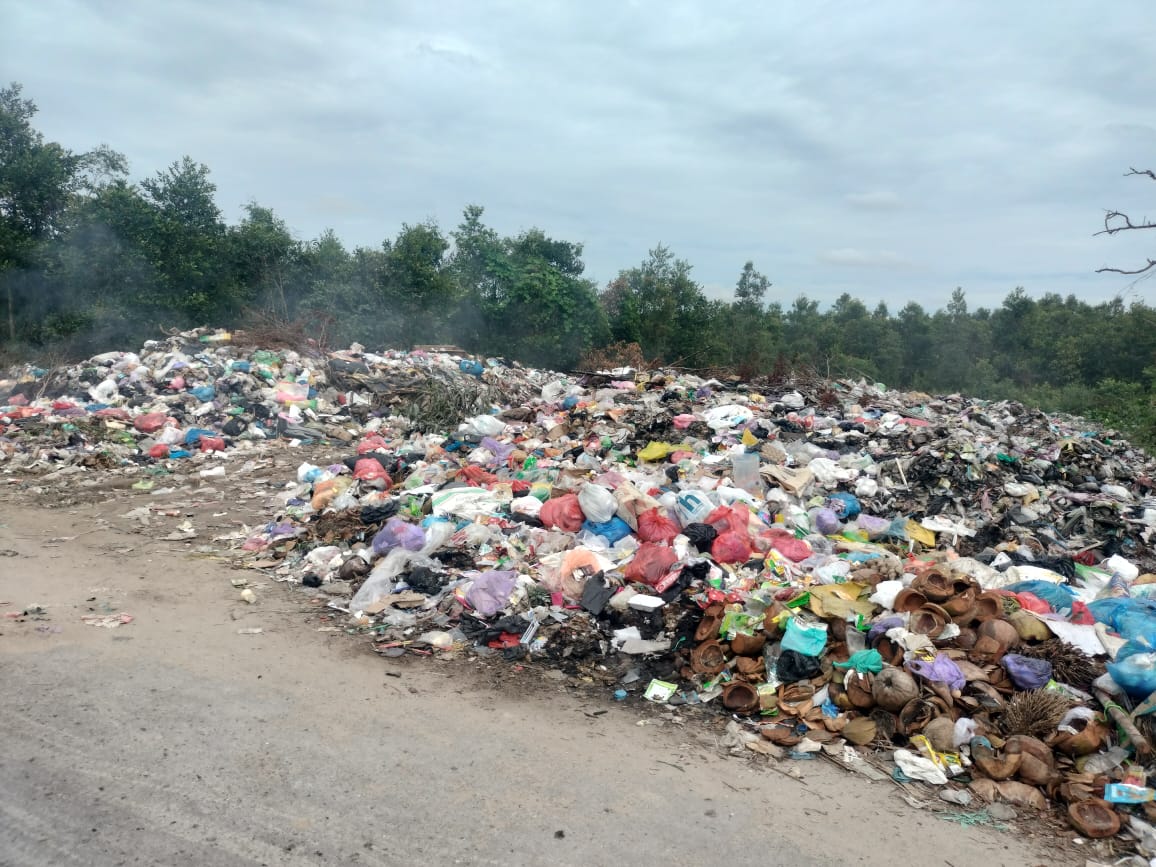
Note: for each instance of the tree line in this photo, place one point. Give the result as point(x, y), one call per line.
point(92, 259)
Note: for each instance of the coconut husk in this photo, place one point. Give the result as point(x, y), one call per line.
point(1033, 713)
point(1069, 664)
point(860, 731)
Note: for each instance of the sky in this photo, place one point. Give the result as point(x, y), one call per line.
point(893, 150)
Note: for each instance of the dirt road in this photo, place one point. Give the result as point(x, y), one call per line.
point(177, 739)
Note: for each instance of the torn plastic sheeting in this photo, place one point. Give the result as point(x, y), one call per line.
point(490, 591)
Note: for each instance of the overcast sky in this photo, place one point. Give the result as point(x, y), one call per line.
point(892, 149)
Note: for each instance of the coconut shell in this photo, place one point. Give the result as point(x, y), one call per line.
point(985, 788)
point(1037, 764)
point(747, 645)
point(860, 731)
point(1094, 818)
point(940, 733)
point(860, 691)
point(1029, 627)
point(993, 766)
point(893, 688)
point(1022, 795)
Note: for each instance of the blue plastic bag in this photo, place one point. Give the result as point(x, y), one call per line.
point(808, 640)
point(1136, 673)
point(1059, 596)
point(611, 530)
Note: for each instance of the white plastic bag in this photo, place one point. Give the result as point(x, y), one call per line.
point(598, 503)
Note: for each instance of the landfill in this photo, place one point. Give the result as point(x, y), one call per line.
point(961, 593)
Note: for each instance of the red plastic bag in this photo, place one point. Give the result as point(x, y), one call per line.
point(212, 444)
point(477, 476)
point(150, 422)
point(786, 544)
point(654, 526)
point(731, 547)
point(724, 518)
point(650, 563)
point(562, 512)
point(1033, 603)
point(370, 470)
point(372, 444)
point(160, 450)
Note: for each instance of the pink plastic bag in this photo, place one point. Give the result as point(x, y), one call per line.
point(654, 526)
point(563, 512)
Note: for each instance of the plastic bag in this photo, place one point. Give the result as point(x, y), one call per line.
point(371, 470)
point(570, 579)
point(150, 422)
point(385, 574)
point(694, 507)
point(1136, 674)
point(398, 533)
point(736, 517)
point(650, 563)
point(731, 547)
point(786, 544)
point(484, 426)
point(598, 503)
point(1027, 673)
point(490, 591)
point(611, 530)
point(702, 536)
point(325, 492)
point(1057, 596)
point(654, 526)
point(863, 661)
point(942, 669)
point(632, 503)
point(807, 639)
point(563, 512)
point(655, 451)
point(794, 666)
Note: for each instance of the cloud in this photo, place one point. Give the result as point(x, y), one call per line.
point(850, 257)
point(765, 133)
point(879, 200)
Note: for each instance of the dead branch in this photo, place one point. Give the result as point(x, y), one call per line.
point(1151, 264)
point(1147, 172)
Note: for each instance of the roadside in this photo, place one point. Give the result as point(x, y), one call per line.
point(185, 737)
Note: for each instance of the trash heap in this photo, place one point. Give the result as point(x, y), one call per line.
point(206, 392)
point(963, 592)
point(964, 587)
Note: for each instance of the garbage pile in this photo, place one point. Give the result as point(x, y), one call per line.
point(202, 393)
point(967, 586)
point(962, 591)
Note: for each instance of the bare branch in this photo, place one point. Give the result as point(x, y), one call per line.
point(1146, 172)
point(1110, 229)
point(1151, 264)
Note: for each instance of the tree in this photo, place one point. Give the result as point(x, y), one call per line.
point(752, 286)
point(38, 181)
point(1117, 221)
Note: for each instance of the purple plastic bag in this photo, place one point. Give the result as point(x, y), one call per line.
point(501, 450)
point(942, 669)
point(398, 533)
point(490, 591)
point(1025, 672)
point(881, 626)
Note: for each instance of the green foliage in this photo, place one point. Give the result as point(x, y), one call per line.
point(89, 259)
